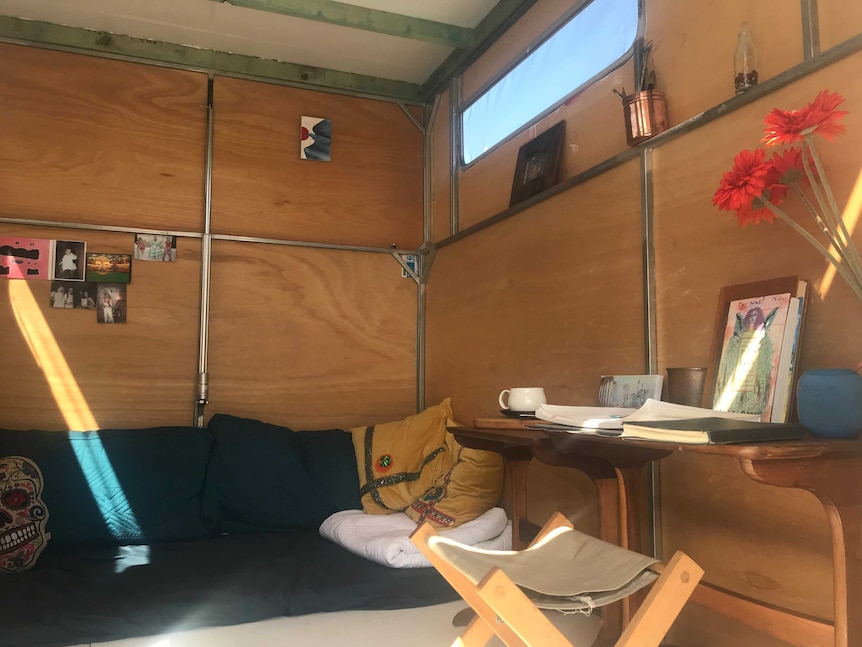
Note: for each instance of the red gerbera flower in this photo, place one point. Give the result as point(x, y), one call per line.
point(785, 168)
point(744, 182)
point(755, 213)
point(820, 117)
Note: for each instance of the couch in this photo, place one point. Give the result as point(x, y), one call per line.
point(116, 533)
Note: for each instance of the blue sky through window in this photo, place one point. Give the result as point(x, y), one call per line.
point(587, 44)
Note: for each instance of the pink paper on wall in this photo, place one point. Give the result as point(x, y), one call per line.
point(25, 258)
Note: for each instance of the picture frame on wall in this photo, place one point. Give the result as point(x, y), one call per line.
point(70, 260)
point(538, 163)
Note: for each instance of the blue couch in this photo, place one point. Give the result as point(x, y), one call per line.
point(176, 528)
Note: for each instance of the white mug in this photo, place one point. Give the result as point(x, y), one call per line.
point(523, 398)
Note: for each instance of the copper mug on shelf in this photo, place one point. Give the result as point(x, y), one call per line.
point(645, 115)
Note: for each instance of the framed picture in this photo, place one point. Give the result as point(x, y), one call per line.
point(155, 247)
point(538, 160)
point(629, 390)
point(107, 267)
point(755, 342)
point(70, 258)
point(315, 140)
point(111, 303)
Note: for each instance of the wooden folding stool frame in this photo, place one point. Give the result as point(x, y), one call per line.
point(502, 608)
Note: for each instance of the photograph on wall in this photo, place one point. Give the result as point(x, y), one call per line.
point(73, 294)
point(111, 303)
point(105, 267)
point(315, 141)
point(70, 258)
point(25, 258)
point(155, 247)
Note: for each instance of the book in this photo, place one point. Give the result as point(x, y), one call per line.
point(712, 430)
point(574, 418)
point(782, 405)
point(748, 368)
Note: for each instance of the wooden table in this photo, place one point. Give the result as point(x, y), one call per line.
point(831, 470)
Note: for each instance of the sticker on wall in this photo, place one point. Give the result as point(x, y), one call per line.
point(104, 267)
point(315, 141)
point(73, 294)
point(155, 247)
point(25, 258)
point(111, 303)
point(410, 261)
point(70, 257)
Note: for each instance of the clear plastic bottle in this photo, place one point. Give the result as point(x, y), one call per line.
point(744, 61)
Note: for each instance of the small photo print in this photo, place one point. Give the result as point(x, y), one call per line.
point(315, 139)
point(111, 303)
point(629, 390)
point(70, 258)
point(104, 267)
point(154, 247)
point(72, 294)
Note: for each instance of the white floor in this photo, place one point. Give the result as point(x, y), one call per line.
point(423, 627)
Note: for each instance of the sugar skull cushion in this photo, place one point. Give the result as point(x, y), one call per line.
point(23, 514)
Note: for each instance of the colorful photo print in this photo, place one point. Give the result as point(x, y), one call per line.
point(111, 303)
point(104, 267)
point(70, 259)
point(73, 294)
point(315, 140)
point(154, 247)
point(25, 258)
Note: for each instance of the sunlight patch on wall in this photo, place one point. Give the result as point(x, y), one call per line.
point(46, 351)
point(851, 218)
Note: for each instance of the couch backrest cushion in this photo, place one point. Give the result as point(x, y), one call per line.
point(331, 463)
point(259, 478)
point(118, 486)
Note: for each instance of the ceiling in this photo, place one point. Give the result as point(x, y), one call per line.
point(400, 49)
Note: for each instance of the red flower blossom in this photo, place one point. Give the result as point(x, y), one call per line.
point(744, 182)
point(785, 168)
point(818, 117)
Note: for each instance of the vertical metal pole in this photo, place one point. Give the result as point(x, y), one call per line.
point(810, 29)
point(650, 337)
point(430, 115)
point(455, 153)
point(206, 247)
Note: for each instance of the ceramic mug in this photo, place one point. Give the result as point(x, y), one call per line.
point(523, 398)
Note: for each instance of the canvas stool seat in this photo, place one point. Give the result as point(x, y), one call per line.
point(562, 570)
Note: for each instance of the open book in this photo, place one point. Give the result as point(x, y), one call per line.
point(579, 419)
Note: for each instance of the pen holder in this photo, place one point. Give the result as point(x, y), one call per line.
point(645, 115)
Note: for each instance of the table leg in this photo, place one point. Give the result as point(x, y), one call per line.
point(515, 495)
point(835, 483)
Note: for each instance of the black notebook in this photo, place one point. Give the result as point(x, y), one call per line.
point(713, 431)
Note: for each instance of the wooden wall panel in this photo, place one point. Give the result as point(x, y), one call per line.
point(441, 207)
point(839, 20)
point(311, 338)
point(693, 45)
point(764, 542)
point(595, 131)
point(86, 139)
point(369, 194)
point(137, 374)
point(554, 300)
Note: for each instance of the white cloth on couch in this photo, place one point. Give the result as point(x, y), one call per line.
point(385, 538)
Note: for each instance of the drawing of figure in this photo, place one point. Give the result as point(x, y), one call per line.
point(745, 371)
point(68, 265)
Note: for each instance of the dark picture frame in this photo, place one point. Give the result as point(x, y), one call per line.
point(537, 165)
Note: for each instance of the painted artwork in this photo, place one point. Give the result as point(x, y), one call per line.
point(629, 390)
point(315, 142)
point(25, 258)
point(155, 247)
point(104, 267)
point(70, 259)
point(111, 303)
point(748, 368)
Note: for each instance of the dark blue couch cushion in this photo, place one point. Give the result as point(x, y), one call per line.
point(258, 479)
point(118, 486)
point(331, 462)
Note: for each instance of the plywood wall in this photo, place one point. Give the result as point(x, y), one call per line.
point(522, 320)
point(310, 337)
point(369, 194)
